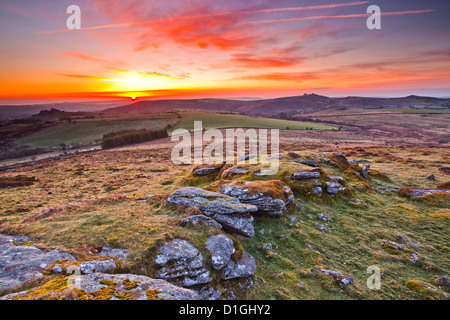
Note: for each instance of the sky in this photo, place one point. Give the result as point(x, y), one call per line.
point(149, 49)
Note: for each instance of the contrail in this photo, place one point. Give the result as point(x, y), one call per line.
point(363, 15)
point(128, 24)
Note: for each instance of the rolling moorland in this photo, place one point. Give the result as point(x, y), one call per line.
point(357, 187)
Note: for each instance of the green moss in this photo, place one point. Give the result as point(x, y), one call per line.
point(425, 290)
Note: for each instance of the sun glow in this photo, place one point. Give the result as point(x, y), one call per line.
point(134, 81)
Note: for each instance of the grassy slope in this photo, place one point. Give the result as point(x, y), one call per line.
point(93, 130)
point(214, 120)
point(353, 243)
point(420, 111)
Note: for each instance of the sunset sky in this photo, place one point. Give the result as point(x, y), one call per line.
point(199, 48)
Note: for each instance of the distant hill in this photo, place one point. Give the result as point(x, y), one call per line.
point(266, 107)
point(8, 112)
point(288, 105)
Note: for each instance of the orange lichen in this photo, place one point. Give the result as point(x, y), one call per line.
point(153, 294)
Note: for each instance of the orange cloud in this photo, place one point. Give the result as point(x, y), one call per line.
point(248, 61)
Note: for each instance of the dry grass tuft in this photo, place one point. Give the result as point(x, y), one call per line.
point(49, 212)
point(17, 181)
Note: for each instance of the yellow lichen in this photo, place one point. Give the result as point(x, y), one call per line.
point(153, 294)
point(129, 285)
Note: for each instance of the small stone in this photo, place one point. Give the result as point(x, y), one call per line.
point(321, 227)
point(317, 191)
point(244, 268)
point(414, 257)
point(310, 163)
point(57, 268)
point(341, 278)
point(204, 171)
point(444, 280)
point(266, 246)
point(324, 216)
point(305, 175)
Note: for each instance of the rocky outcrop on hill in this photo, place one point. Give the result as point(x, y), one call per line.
point(233, 215)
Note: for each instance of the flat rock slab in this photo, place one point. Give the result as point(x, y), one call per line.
point(310, 163)
point(301, 175)
point(270, 197)
point(114, 253)
point(204, 171)
point(94, 266)
point(423, 192)
point(19, 263)
point(120, 282)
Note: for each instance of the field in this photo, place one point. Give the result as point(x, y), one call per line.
point(215, 120)
point(91, 131)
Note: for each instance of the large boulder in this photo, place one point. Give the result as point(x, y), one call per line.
point(222, 248)
point(233, 215)
point(20, 260)
point(244, 268)
point(270, 197)
point(180, 262)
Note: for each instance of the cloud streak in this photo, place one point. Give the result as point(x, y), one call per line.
point(216, 14)
point(362, 15)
